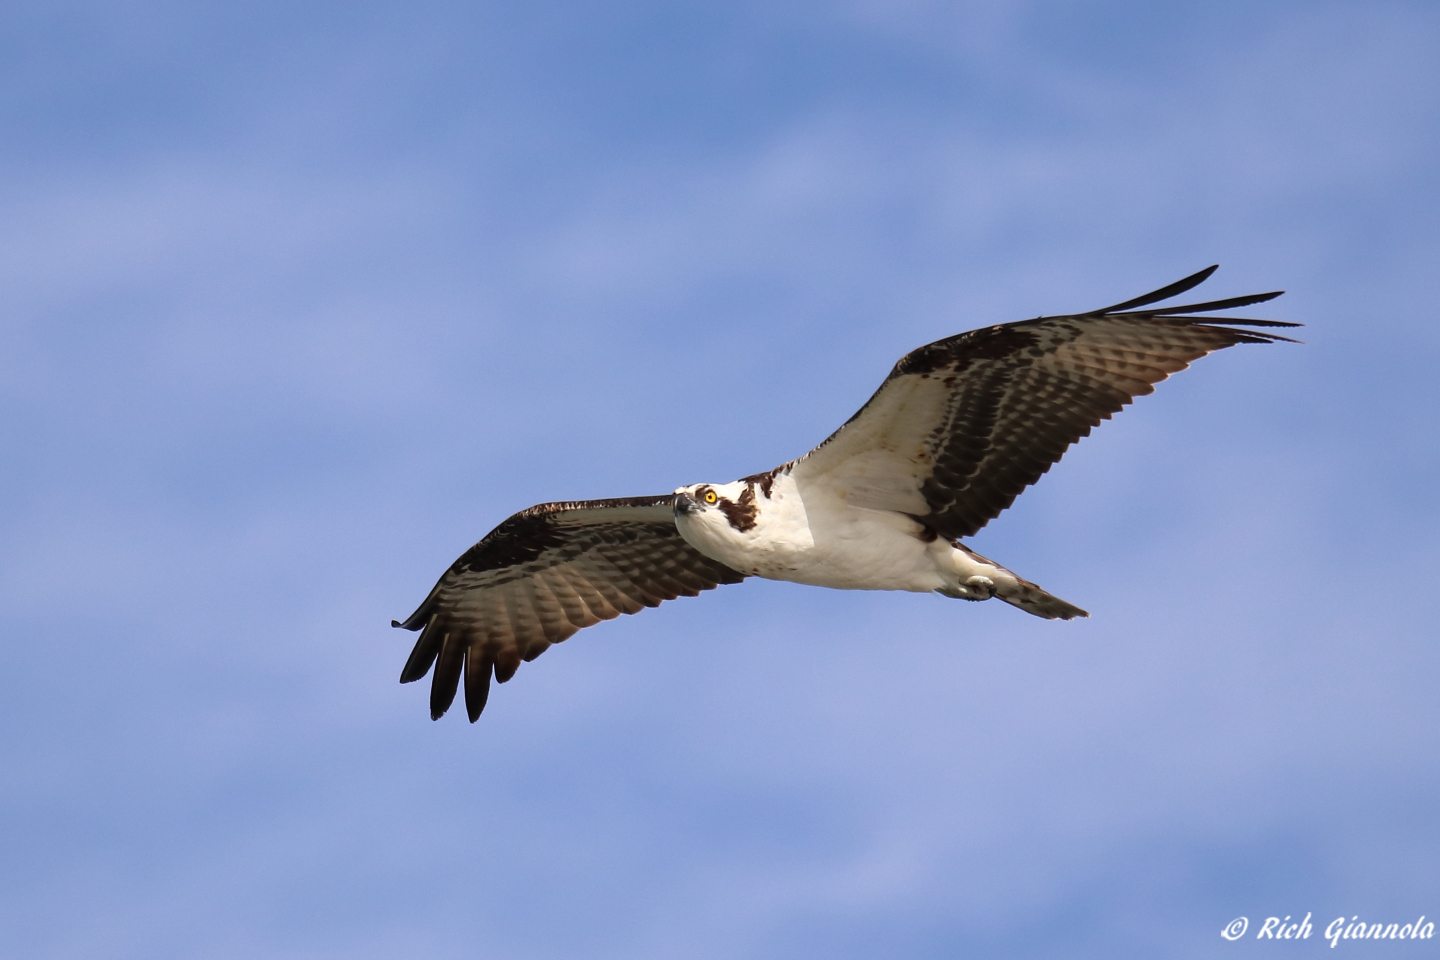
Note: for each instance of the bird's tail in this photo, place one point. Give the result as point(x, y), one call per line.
point(1032, 599)
point(1019, 592)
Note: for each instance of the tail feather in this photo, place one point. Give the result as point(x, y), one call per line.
point(1019, 592)
point(1033, 600)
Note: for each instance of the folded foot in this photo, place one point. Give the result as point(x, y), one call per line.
point(973, 588)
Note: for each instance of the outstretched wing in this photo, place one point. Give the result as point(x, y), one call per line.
point(540, 576)
point(963, 425)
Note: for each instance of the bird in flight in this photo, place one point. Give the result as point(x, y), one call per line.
point(958, 429)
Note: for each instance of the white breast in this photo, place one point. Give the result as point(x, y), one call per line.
point(810, 533)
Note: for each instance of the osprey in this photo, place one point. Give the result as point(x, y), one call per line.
point(957, 430)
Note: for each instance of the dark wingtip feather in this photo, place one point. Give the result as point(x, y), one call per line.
point(447, 675)
point(1164, 293)
point(421, 616)
point(1255, 336)
point(506, 664)
point(1227, 304)
point(477, 682)
point(1242, 321)
point(427, 646)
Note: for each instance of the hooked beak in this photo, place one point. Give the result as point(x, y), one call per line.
point(685, 504)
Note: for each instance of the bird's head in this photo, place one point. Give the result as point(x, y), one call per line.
point(718, 505)
point(695, 499)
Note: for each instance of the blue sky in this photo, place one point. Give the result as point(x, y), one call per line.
point(298, 301)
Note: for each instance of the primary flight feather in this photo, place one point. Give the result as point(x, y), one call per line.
point(957, 430)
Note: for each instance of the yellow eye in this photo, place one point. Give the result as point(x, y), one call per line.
point(710, 496)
